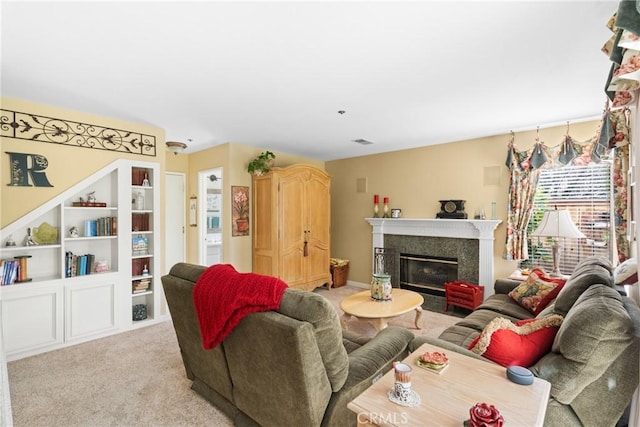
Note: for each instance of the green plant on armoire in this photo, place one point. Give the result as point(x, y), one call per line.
point(261, 164)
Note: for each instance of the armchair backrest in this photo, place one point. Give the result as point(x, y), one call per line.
point(275, 366)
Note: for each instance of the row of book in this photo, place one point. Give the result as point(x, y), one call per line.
point(78, 265)
point(107, 226)
point(140, 222)
point(13, 271)
point(139, 286)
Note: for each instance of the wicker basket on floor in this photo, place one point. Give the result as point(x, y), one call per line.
point(339, 274)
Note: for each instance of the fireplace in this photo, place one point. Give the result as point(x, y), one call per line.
point(469, 242)
point(427, 274)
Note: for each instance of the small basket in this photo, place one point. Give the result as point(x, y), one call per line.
point(339, 273)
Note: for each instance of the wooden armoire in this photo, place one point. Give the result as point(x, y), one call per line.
point(291, 225)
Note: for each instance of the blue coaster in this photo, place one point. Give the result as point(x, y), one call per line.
point(520, 375)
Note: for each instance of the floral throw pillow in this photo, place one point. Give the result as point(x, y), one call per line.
point(535, 293)
point(627, 272)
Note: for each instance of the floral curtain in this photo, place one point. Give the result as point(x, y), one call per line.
point(525, 168)
point(621, 202)
point(622, 87)
point(522, 190)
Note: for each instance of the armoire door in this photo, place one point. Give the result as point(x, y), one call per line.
point(292, 221)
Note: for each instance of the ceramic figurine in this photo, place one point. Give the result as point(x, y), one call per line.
point(28, 241)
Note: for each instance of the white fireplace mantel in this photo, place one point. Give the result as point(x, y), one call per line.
point(480, 229)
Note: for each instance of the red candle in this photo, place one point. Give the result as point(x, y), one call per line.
point(376, 199)
point(386, 200)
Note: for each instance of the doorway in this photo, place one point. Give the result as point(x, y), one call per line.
point(210, 210)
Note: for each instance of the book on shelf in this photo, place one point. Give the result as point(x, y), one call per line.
point(142, 285)
point(140, 222)
point(9, 271)
point(105, 226)
point(78, 265)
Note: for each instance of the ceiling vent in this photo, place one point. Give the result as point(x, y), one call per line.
point(363, 141)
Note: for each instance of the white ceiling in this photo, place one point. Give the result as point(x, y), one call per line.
point(275, 74)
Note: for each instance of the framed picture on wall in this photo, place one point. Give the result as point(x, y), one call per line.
point(240, 210)
point(193, 211)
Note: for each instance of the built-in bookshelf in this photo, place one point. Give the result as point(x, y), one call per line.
point(91, 261)
point(142, 243)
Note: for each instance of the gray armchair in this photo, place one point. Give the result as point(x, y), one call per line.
point(291, 366)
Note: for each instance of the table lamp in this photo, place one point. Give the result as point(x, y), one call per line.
point(557, 223)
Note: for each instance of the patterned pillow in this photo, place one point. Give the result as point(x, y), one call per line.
point(520, 344)
point(535, 293)
point(627, 272)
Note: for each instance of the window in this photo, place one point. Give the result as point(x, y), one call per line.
point(585, 191)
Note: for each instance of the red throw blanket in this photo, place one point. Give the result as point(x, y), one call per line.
point(222, 297)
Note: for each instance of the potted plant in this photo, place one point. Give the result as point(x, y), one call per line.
point(261, 164)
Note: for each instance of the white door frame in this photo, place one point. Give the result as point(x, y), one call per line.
point(202, 211)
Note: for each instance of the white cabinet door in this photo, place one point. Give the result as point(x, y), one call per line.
point(32, 318)
point(91, 307)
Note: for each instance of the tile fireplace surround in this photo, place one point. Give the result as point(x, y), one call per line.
point(480, 230)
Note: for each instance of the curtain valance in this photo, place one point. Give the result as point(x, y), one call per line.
point(614, 132)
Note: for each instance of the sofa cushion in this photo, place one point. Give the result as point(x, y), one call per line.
point(318, 311)
point(536, 292)
point(459, 335)
point(584, 276)
point(520, 344)
point(593, 334)
point(505, 306)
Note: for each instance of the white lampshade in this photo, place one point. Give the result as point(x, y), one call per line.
point(557, 223)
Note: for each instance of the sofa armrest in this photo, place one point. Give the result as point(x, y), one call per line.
point(389, 345)
point(504, 286)
point(366, 365)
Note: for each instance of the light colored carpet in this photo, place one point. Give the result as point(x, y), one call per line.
point(136, 378)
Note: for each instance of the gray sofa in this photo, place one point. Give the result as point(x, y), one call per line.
point(593, 363)
point(289, 367)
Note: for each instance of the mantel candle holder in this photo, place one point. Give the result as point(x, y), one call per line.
point(376, 200)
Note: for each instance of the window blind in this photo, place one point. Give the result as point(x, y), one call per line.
point(585, 191)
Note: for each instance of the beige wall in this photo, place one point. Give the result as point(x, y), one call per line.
point(414, 180)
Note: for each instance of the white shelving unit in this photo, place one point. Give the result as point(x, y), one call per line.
point(59, 306)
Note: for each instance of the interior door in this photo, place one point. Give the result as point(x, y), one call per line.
point(175, 219)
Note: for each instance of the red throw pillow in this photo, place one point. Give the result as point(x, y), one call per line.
point(521, 344)
point(537, 291)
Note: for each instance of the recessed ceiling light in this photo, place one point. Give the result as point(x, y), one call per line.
point(362, 141)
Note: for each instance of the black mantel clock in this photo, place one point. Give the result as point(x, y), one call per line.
point(452, 209)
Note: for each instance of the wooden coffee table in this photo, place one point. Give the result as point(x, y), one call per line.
point(378, 313)
point(447, 397)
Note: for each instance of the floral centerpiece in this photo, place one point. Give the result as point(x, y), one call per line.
point(484, 415)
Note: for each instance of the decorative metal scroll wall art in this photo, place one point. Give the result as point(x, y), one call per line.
point(33, 127)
